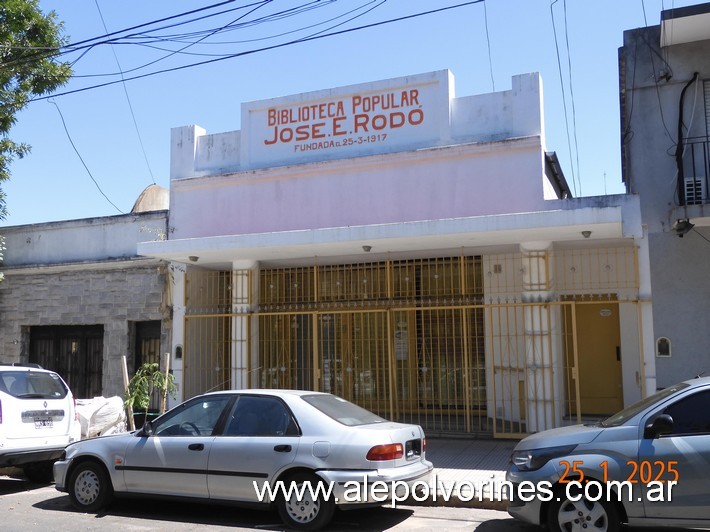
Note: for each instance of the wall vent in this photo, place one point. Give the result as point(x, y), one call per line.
point(694, 190)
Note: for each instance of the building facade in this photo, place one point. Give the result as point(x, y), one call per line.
point(415, 252)
point(77, 299)
point(665, 110)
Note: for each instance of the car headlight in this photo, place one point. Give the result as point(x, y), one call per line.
point(533, 459)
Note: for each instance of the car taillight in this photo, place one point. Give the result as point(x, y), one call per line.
point(390, 451)
point(423, 445)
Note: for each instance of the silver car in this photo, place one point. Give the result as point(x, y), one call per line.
point(647, 465)
point(305, 452)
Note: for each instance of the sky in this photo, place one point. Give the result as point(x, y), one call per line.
point(94, 151)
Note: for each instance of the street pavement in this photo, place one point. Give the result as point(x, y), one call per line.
point(27, 507)
point(462, 464)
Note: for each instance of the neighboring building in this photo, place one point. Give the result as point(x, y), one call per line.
point(665, 128)
point(415, 252)
point(76, 298)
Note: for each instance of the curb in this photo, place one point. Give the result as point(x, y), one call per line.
point(440, 497)
point(456, 502)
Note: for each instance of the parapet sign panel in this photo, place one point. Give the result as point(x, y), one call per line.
point(366, 119)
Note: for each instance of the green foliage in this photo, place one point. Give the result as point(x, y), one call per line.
point(148, 379)
point(29, 45)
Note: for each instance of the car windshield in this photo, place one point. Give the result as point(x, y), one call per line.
point(32, 385)
point(342, 411)
point(627, 413)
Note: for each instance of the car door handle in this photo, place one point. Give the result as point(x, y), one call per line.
point(282, 448)
point(196, 446)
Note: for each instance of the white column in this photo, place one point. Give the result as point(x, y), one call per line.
point(542, 352)
point(648, 343)
point(241, 288)
point(177, 272)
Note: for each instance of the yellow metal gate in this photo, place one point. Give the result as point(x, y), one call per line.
point(447, 343)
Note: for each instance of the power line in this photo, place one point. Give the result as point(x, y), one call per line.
point(488, 41)
point(315, 4)
point(173, 52)
point(232, 26)
point(128, 99)
point(651, 52)
point(146, 39)
point(352, 18)
point(88, 45)
point(265, 48)
point(75, 46)
point(628, 131)
point(242, 41)
point(571, 94)
point(66, 130)
point(562, 88)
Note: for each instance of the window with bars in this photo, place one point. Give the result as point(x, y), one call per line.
point(424, 281)
point(75, 352)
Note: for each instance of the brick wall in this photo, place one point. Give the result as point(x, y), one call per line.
point(112, 297)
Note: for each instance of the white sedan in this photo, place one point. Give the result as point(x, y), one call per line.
point(305, 452)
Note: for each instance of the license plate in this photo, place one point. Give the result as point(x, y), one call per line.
point(42, 423)
point(413, 448)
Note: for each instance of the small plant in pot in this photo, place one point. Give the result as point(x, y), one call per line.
point(148, 379)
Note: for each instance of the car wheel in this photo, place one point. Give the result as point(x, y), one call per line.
point(40, 472)
point(583, 515)
point(306, 512)
point(90, 487)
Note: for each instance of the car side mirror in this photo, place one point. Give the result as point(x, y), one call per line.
point(146, 430)
point(663, 424)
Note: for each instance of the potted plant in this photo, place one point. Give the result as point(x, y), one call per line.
point(147, 379)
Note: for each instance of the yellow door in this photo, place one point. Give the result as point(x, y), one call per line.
point(599, 358)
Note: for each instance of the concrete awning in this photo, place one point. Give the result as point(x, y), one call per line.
point(608, 218)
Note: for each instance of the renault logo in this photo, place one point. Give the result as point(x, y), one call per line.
point(45, 405)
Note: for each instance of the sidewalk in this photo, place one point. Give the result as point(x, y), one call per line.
point(459, 463)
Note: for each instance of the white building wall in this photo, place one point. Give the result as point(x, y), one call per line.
point(472, 156)
point(91, 239)
point(476, 180)
point(500, 115)
point(650, 94)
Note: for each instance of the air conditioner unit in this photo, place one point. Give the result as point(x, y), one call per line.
point(695, 193)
